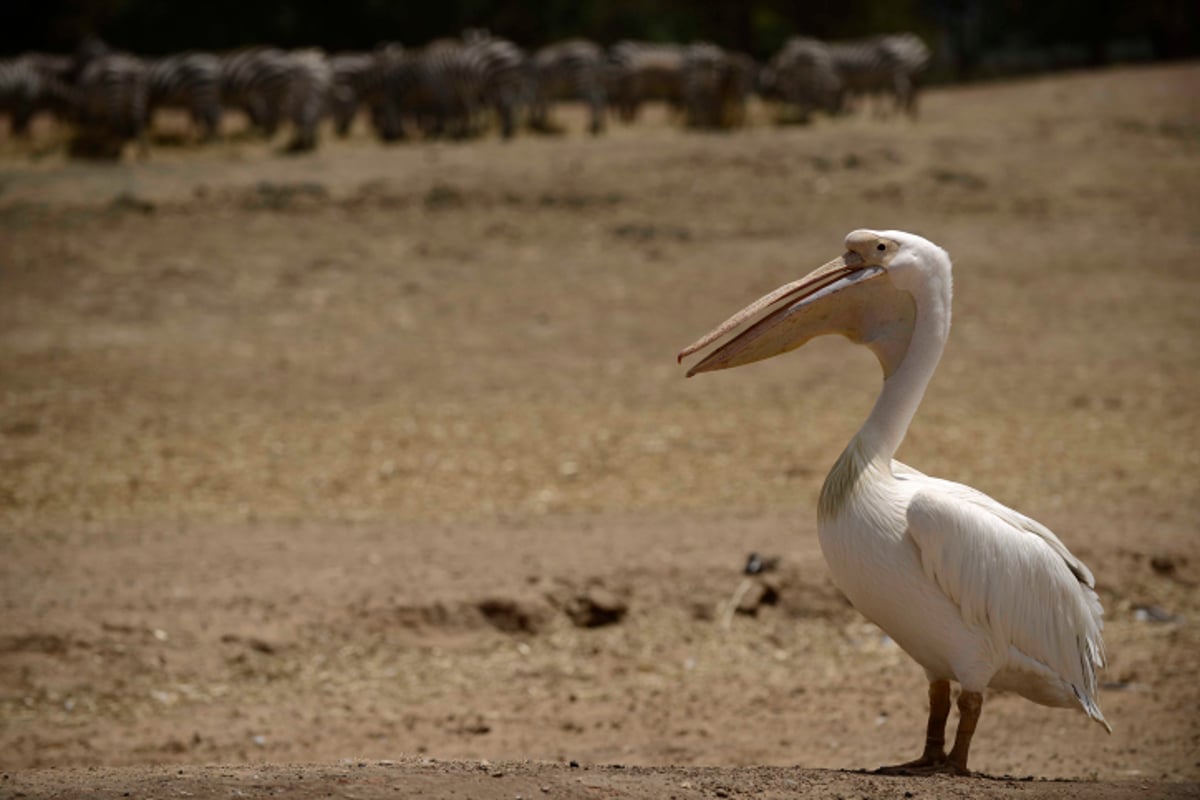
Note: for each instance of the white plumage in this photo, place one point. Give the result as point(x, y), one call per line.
point(974, 591)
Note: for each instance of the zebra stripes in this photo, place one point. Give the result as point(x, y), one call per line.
point(501, 69)
point(31, 83)
point(881, 65)
point(803, 75)
point(190, 81)
point(644, 71)
point(390, 90)
point(111, 96)
point(354, 79)
point(444, 88)
point(447, 91)
point(574, 69)
point(812, 75)
point(716, 85)
point(271, 85)
point(256, 80)
point(308, 94)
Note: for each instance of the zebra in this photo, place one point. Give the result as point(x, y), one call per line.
point(256, 80)
point(883, 64)
point(803, 75)
point(716, 85)
point(643, 71)
point(34, 82)
point(445, 85)
point(390, 89)
point(270, 85)
point(910, 57)
point(111, 91)
point(572, 69)
point(354, 80)
point(446, 91)
point(738, 83)
point(309, 91)
point(705, 72)
point(501, 67)
point(190, 81)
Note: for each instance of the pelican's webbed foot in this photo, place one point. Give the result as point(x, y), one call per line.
point(928, 763)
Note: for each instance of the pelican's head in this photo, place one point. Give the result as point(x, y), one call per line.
point(869, 294)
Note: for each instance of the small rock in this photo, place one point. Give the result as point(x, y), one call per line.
point(760, 593)
point(756, 564)
point(1155, 614)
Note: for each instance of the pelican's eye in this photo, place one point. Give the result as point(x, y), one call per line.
point(881, 247)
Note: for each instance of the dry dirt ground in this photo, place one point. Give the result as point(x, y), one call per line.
point(378, 461)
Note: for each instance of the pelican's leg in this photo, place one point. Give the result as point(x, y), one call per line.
point(969, 706)
point(935, 731)
point(934, 755)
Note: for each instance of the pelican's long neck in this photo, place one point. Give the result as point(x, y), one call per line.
point(904, 386)
point(909, 357)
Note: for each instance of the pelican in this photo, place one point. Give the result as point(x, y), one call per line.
point(975, 592)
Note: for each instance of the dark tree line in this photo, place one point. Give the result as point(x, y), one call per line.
point(961, 32)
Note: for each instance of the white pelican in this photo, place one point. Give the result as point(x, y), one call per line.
point(975, 592)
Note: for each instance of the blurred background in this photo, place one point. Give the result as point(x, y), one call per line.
point(382, 450)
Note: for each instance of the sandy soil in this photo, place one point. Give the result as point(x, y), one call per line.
point(377, 462)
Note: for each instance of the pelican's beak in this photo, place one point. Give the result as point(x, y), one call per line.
point(836, 298)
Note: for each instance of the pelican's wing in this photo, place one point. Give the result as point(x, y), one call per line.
point(1011, 576)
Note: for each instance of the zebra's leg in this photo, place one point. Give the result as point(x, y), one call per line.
point(256, 110)
point(343, 118)
point(910, 104)
point(506, 109)
point(19, 121)
point(538, 111)
point(271, 120)
point(596, 107)
point(305, 115)
point(266, 113)
point(901, 92)
point(204, 118)
point(138, 131)
point(138, 120)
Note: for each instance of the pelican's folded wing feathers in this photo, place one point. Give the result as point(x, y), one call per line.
point(1011, 576)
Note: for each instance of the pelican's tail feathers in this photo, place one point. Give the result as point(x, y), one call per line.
point(1091, 708)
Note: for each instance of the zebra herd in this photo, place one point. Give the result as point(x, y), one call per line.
point(812, 75)
point(451, 87)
